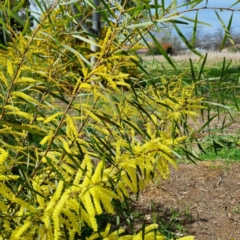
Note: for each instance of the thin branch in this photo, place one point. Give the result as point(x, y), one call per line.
point(80, 19)
point(209, 8)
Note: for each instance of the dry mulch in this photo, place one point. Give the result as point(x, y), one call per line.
point(206, 198)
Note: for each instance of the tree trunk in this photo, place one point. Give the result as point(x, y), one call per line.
point(96, 24)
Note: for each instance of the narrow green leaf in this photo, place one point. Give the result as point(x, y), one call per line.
point(24, 128)
point(175, 5)
point(143, 229)
point(138, 64)
point(195, 30)
point(193, 20)
point(181, 35)
point(108, 9)
point(226, 29)
point(149, 23)
point(138, 130)
point(163, 52)
point(68, 2)
point(77, 54)
point(202, 67)
point(156, 8)
point(163, 5)
point(26, 27)
point(138, 25)
point(49, 161)
point(17, 7)
point(207, 123)
point(193, 72)
point(85, 40)
point(140, 108)
point(189, 155)
point(105, 119)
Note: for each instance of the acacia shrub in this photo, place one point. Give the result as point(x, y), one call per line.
point(95, 144)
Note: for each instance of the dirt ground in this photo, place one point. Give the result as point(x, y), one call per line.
point(202, 200)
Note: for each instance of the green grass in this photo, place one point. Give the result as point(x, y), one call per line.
point(224, 148)
point(227, 154)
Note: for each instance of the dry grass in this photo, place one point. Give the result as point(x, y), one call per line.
point(214, 58)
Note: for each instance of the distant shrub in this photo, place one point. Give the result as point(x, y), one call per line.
point(234, 49)
point(154, 50)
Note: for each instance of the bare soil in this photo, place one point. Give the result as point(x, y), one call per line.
point(201, 200)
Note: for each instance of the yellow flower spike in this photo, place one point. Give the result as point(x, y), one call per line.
point(97, 173)
point(66, 147)
point(9, 68)
point(163, 168)
point(3, 156)
point(40, 199)
point(171, 160)
point(26, 80)
point(151, 227)
point(76, 87)
point(21, 231)
point(24, 96)
point(19, 113)
point(148, 234)
point(108, 227)
point(4, 79)
point(56, 213)
point(93, 116)
point(85, 219)
point(104, 44)
point(5, 191)
point(87, 202)
point(85, 72)
point(72, 217)
point(132, 176)
point(106, 236)
point(87, 164)
point(55, 196)
point(52, 117)
point(6, 225)
point(46, 220)
point(8, 177)
point(73, 204)
point(78, 177)
point(3, 207)
point(86, 86)
point(50, 233)
point(24, 204)
point(127, 182)
point(96, 201)
point(45, 140)
point(106, 196)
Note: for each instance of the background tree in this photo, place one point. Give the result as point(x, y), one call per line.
point(166, 35)
point(212, 40)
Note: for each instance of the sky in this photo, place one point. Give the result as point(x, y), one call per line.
point(210, 17)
